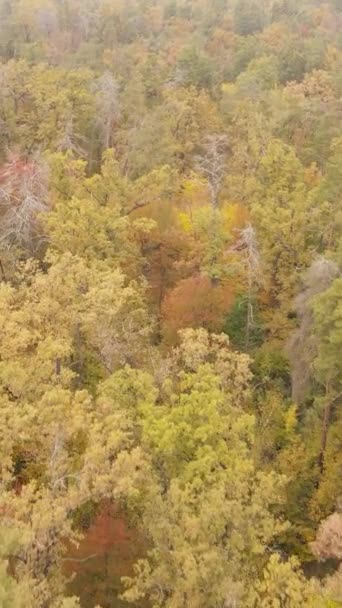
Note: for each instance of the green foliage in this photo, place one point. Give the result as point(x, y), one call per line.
point(249, 17)
point(284, 585)
point(283, 209)
point(194, 68)
point(292, 61)
point(261, 74)
point(208, 497)
point(170, 166)
point(328, 329)
point(235, 324)
point(84, 515)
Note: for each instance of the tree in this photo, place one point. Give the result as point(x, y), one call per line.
point(261, 74)
point(62, 452)
point(292, 60)
point(194, 302)
point(317, 395)
point(208, 515)
point(235, 323)
point(194, 68)
point(23, 197)
point(284, 585)
point(283, 206)
point(60, 446)
point(327, 319)
point(108, 108)
point(328, 541)
point(249, 17)
point(39, 105)
point(302, 346)
point(34, 20)
point(57, 320)
point(93, 217)
point(167, 170)
point(329, 193)
point(248, 242)
point(212, 164)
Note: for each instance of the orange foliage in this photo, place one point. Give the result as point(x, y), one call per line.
point(16, 169)
point(108, 551)
point(166, 256)
point(195, 302)
point(221, 40)
point(275, 36)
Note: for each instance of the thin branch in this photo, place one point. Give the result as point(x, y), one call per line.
point(79, 560)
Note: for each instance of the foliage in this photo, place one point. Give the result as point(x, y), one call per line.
point(170, 170)
point(195, 302)
point(236, 321)
point(209, 501)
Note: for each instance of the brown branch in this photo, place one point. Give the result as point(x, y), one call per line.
point(138, 206)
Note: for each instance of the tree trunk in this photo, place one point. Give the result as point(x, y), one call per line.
point(324, 435)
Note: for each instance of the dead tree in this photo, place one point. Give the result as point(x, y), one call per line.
point(70, 141)
point(302, 347)
point(252, 258)
point(108, 109)
point(328, 543)
point(247, 246)
point(23, 196)
point(212, 164)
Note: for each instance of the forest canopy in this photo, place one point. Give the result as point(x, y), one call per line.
point(171, 299)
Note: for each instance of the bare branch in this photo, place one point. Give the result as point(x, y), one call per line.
point(108, 110)
point(23, 196)
point(212, 164)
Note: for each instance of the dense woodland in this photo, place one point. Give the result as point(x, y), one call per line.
point(171, 296)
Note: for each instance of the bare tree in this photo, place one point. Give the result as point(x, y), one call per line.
point(328, 543)
point(108, 109)
point(254, 278)
point(69, 141)
point(302, 347)
point(23, 196)
point(212, 164)
point(247, 245)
